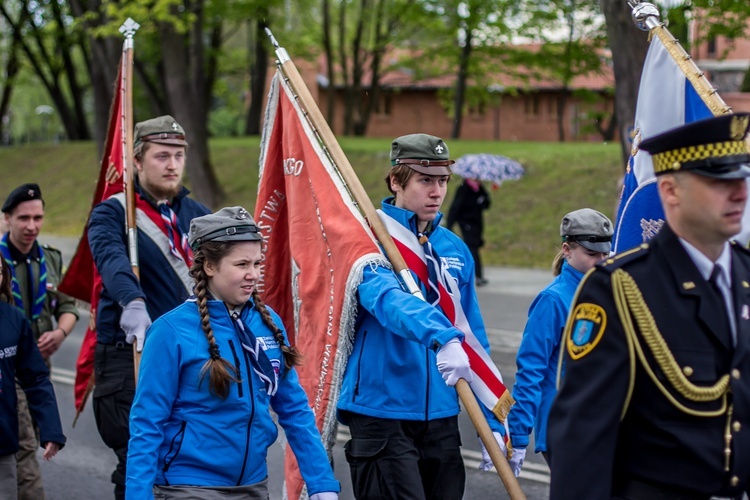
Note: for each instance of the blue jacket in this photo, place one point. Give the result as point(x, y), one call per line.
point(181, 434)
point(20, 358)
point(392, 371)
point(159, 285)
point(537, 360)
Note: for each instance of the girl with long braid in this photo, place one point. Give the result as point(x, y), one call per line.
point(211, 371)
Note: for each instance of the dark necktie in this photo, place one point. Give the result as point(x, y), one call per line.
point(258, 357)
point(713, 280)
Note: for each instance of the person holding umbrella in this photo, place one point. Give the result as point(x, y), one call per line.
point(467, 209)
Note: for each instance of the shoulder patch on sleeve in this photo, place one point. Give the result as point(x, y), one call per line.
point(589, 321)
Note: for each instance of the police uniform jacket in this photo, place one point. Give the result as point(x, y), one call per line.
point(654, 389)
point(57, 303)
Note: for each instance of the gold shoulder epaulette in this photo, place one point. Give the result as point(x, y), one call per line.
point(620, 259)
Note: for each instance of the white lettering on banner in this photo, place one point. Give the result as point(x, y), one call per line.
point(265, 222)
point(8, 352)
point(293, 166)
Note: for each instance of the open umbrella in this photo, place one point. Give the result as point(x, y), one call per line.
point(487, 167)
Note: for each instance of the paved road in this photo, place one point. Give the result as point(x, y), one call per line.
point(82, 469)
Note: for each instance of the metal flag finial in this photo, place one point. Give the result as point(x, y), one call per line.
point(281, 52)
point(128, 29)
point(646, 15)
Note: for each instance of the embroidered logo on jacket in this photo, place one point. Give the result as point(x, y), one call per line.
point(589, 321)
point(267, 343)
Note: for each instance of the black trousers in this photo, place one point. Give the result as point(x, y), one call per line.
point(405, 459)
point(112, 399)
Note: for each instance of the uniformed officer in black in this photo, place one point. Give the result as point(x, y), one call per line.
point(655, 401)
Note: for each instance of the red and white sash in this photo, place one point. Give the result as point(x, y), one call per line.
point(488, 383)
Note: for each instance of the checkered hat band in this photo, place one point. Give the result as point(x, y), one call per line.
point(674, 160)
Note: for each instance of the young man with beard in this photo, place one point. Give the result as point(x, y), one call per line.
point(36, 270)
point(127, 303)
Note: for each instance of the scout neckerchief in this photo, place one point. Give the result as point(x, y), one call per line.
point(259, 359)
point(38, 295)
point(488, 383)
point(173, 231)
point(166, 220)
point(432, 260)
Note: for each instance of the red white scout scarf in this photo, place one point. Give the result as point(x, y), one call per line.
point(488, 383)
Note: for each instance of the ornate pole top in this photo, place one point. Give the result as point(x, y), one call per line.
point(646, 15)
point(281, 52)
point(128, 29)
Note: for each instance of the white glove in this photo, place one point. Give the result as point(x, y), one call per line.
point(325, 495)
point(486, 463)
point(134, 321)
point(516, 460)
point(453, 363)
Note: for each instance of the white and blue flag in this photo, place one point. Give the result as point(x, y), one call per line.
point(666, 99)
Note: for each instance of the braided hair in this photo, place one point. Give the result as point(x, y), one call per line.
point(292, 356)
point(5, 288)
point(220, 371)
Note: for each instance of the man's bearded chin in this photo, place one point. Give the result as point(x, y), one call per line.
point(159, 193)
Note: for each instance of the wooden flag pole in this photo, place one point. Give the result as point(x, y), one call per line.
point(128, 29)
point(341, 162)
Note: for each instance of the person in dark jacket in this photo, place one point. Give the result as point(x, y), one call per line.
point(127, 303)
point(467, 209)
point(35, 270)
point(655, 398)
point(21, 360)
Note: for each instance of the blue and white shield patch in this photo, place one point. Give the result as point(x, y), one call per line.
point(589, 321)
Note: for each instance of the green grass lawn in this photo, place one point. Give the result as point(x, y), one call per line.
point(522, 226)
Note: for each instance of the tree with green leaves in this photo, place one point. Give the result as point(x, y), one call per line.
point(629, 46)
point(44, 33)
point(572, 43)
point(355, 37)
point(471, 39)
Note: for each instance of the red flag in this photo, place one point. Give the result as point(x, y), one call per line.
point(316, 245)
point(81, 280)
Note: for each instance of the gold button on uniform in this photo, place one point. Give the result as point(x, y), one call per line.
point(736, 426)
point(735, 374)
point(735, 481)
point(687, 370)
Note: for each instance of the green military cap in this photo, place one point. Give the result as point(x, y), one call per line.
point(228, 224)
point(24, 192)
point(589, 228)
point(424, 153)
point(161, 130)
